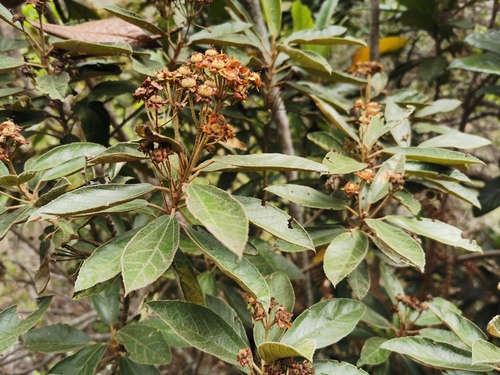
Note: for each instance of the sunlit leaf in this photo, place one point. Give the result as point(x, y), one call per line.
point(485, 352)
point(149, 253)
point(381, 184)
point(90, 199)
point(272, 351)
point(439, 106)
point(215, 208)
point(335, 118)
point(435, 229)
point(272, 13)
point(306, 196)
point(344, 254)
point(371, 353)
point(263, 162)
point(434, 155)
point(308, 59)
point(400, 242)
point(436, 355)
point(54, 85)
point(325, 322)
point(327, 367)
point(340, 164)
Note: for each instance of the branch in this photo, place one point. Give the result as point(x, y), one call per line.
point(374, 30)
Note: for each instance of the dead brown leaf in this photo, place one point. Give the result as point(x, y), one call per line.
point(109, 30)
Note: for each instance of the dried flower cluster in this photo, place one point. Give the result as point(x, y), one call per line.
point(289, 366)
point(10, 137)
point(365, 111)
point(244, 357)
point(208, 80)
point(365, 68)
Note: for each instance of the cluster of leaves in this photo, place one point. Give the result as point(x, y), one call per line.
point(219, 225)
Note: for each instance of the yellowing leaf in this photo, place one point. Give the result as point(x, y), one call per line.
point(385, 45)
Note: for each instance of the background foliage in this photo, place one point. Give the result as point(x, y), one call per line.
point(235, 178)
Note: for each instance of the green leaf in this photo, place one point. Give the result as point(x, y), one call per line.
point(374, 319)
point(272, 351)
point(488, 63)
point(218, 31)
point(275, 221)
point(306, 196)
point(308, 59)
point(170, 336)
point(335, 118)
point(264, 162)
point(226, 312)
point(8, 63)
point(187, 278)
point(12, 327)
point(493, 327)
point(149, 253)
point(344, 254)
point(90, 199)
point(398, 123)
point(106, 90)
point(436, 355)
point(439, 106)
point(328, 94)
point(398, 241)
point(215, 208)
point(325, 322)
point(272, 13)
point(326, 11)
point(462, 327)
point(202, 328)
point(57, 190)
point(55, 338)
point(10, 218)
point(60, 154)
point(325, 140)
point(453, 188)
point(359, 280)
point(121, 152)
point(436, 230)
point(107, 303)
point(81, 48)
point(371, 353)
point(327, 367)
point(104, 262)
point(456, 139)
point(240, 270)
point(83, 362)
point(267, 262)
point(301, 17)
point(135, 19)
point(7, 17)
point(435, 171)
point(488, 40)
point(282, 290)
point(314, 36)
point(66, 168)
point(340, 164)
point(145, 344)
point(55, 85)
point(129, 367)
point(381, 185)
point(407, 200)
point(434, 155)
point(441, 335)
point(485, 352)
